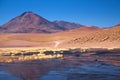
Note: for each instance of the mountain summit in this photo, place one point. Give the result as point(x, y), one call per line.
point(29, 22)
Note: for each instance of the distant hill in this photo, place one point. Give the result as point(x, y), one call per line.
point(97, 38)
point(67, 25)
point(29, 22)
point(118, 24)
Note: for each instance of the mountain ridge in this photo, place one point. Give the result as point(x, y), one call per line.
point(29, 22)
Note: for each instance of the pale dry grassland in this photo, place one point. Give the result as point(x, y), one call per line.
point(23, 54)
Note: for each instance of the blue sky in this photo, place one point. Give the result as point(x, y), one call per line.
point(102, 13)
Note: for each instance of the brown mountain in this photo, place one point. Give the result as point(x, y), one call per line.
point(30, 22)
point(99, 38)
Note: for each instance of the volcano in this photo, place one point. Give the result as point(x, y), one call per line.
point(29, 22)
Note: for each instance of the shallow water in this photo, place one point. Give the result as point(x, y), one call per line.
point(67, 68)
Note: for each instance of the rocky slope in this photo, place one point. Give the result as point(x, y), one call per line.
point(103, 38)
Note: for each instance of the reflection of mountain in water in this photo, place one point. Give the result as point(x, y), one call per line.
point(30, 71)
point(68, 68)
